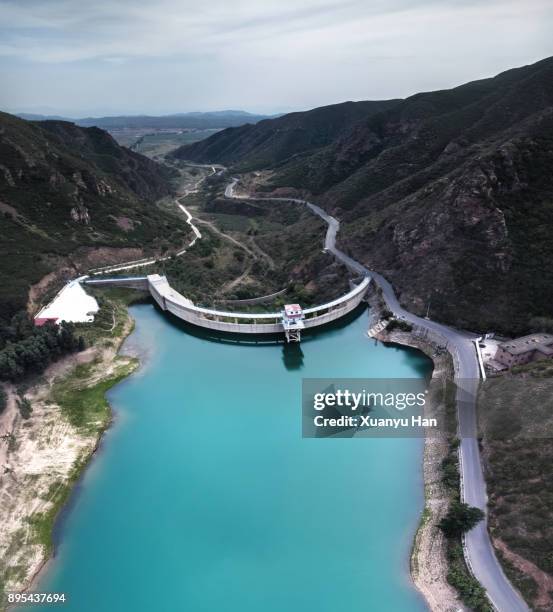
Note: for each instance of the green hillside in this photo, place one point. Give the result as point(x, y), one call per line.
point(274, 141)
point(66, 193)
point(448, 193)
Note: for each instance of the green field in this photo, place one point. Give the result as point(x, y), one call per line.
point(159, 142)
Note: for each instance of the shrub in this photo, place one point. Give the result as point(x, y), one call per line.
point(25, 408)
point(460, 518)
point(471, 591)
point(400, 325)
point(450, 471)
point(29, 349)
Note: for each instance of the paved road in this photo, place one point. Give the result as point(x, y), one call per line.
point(478, 548)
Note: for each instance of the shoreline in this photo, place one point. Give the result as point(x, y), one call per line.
point(404, 570)
point(29, 520)
point(432, 584)
point(34, 580)
point(428, 564)
point(74, 491)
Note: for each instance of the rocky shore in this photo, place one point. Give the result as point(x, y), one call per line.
point(41, 457)
point(429, 564)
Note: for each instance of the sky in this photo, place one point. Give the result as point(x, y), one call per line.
point(98, 57)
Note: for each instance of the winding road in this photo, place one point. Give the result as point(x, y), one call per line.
point(148, 261)
point(479, 552)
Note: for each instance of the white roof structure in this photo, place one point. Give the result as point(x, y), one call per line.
point(293, 310)
point(71, 304)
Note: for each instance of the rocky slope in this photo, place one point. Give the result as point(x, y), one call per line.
point(274, 141)
point(448, 193)
point(65, 189)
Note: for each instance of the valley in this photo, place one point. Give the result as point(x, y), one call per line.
point(446, 193)
point(443, 199)
point(156, 143)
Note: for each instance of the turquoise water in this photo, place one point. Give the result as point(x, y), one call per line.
point(204, 496)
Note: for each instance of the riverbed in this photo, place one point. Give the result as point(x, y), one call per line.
point(205, 497)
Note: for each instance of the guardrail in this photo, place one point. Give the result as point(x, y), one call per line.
point(250, 323)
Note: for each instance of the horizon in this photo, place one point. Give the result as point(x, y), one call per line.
point(56, 114)
point(53, 113)
point(133, 58)
point(221, 224)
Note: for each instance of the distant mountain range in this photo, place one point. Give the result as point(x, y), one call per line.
point(448, 193)
point(194, 120)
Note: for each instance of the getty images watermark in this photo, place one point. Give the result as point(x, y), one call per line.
point(367, 408)
point(496, 409)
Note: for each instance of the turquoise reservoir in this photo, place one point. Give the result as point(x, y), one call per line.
point(204, 496)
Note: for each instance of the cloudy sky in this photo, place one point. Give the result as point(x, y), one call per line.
point(76, 57)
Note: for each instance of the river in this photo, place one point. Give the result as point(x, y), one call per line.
point(204, 496)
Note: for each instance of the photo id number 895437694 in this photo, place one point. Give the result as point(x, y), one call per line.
point(36, 598)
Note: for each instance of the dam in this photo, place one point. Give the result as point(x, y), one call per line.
point(290, 321)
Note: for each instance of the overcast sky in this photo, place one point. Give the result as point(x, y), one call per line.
point(95, 57)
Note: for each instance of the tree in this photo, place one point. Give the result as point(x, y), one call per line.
point(27, 349)
point(401, 325)
point(25, 408)
point(450, 472)
point(459, 519)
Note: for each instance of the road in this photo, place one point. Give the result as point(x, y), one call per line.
point(141, 263)
point(479, 552)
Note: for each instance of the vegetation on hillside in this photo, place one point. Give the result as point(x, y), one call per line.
point(65, 192)
point(448, 193)
point(74, 399)
point(274, 141)
point(460, 517)
point(250, 249)
point(516, 424)
point(26, 349)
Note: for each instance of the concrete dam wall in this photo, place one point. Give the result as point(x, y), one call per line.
point(236, 322)
point(249, 323)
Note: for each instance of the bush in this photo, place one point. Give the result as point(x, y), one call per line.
point(460, 518)
point(450, 470)
point(25, 408)
point(471, 591)
point(399, 325)
point(29, 349)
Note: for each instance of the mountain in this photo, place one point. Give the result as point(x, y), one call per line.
point(67, 193)
point(35, 117)
point(448, 193)
point(194, 120)
point(273, 141)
